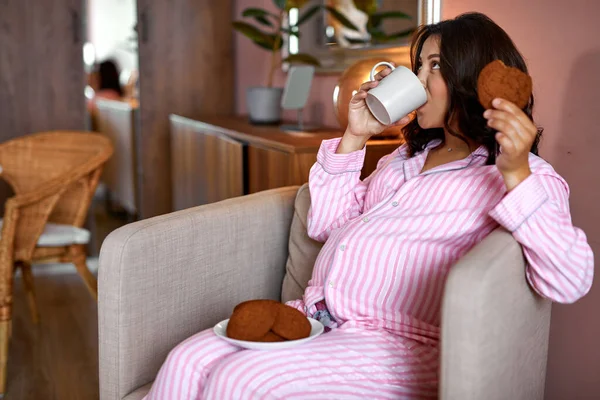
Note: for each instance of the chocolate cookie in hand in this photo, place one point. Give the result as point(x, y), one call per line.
point(497, 80)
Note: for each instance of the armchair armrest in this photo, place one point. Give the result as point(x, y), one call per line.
point(163, 279)
point(494, 326)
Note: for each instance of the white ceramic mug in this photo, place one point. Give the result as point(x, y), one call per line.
point(396, 96)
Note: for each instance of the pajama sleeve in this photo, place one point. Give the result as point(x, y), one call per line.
point(336, 192)
point(560, 261)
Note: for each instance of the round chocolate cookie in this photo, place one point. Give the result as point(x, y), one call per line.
point(497, 80)
point(271, 337)
point(291, 323)
point(252, 320)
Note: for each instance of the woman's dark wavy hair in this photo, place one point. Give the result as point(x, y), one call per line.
point(467, 44)
point(109, 76)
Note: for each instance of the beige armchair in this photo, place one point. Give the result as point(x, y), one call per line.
point(166, 278)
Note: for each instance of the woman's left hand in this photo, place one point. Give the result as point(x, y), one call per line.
point(516, 134)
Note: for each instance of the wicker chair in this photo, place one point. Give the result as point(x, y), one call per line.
point(54, 176)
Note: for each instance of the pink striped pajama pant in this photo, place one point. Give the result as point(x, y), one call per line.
point(345, 363)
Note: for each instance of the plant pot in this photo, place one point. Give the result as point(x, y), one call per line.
point(264, 105)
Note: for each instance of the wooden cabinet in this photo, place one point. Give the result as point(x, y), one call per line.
point(222, 157)
point(268, 168)
point(207, 165)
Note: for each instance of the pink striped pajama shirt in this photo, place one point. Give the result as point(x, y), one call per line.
point(390, 241)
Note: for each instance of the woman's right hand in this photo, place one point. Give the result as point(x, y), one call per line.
point(361, 123)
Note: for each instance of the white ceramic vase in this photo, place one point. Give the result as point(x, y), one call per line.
point(264, 105)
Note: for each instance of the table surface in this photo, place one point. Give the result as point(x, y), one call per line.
point(272, 136)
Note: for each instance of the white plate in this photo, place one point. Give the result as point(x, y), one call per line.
point(317, 328)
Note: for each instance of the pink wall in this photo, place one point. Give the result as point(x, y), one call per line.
point(560, 42)
point(252, 66)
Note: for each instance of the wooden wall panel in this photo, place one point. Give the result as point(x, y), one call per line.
point(41, 67)
point(186, 68)
point(14, 82)
point(57, 79)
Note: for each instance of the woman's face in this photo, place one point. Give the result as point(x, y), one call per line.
point(432, 113)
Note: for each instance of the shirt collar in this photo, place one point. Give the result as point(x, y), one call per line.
point(413, 166)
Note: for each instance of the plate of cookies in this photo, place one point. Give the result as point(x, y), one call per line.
point(267, 325)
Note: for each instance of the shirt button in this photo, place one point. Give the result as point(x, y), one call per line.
point(395, 203)
point(343, 247)
point(366, 219)
point(330, 284)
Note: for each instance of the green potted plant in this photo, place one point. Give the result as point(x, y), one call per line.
point(377, 34)
point(267, 32)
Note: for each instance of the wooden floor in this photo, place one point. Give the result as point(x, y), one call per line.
point(58, 358)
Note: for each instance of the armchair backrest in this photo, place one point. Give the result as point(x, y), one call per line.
point(29, 161)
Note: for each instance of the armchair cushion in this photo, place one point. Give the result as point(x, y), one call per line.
point(58, 235)
point(303, 250)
